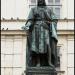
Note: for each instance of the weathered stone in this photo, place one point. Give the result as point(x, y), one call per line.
point(40, 71)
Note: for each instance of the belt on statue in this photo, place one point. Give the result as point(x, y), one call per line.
point(42, 25)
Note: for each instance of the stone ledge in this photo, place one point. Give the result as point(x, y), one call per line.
point(24, 20)
point(41, 71)
point(22, 32)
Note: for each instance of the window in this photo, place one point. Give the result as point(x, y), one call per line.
point(33, 1)
point(57, 1)
point(50, 1)
point(54, 2)
point(57, 12)
point(58, 55)
point(55, 6)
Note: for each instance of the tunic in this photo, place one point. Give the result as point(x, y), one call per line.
point(40, 30)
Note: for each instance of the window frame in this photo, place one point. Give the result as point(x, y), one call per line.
point(31, 3)
point(55, 5)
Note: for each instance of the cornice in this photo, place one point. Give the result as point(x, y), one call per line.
point(24, 20)
point(22, 32)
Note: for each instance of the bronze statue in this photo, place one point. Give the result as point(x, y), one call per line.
point(42, 40)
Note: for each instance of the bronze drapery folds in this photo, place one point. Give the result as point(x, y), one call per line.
point(42, 39)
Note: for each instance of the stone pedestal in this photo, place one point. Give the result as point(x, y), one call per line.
point(40, 71)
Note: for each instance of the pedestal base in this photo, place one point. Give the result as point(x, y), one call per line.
point(40, 71)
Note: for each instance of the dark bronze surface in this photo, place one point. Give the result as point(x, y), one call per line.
point(41, 49)
point(41, 71)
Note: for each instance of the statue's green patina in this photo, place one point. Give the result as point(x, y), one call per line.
point(42, 39)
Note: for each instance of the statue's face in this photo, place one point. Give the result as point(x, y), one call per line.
point(41, 2)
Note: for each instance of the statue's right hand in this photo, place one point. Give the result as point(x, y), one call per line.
point(23, 27)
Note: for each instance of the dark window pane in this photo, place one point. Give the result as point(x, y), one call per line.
point(58, 50)
point(57, 12)
point(50, 1)
point(33, 1)
point(58, 54)
point(57, 2)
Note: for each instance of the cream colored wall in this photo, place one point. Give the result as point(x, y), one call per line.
point(67, 9)
point(61, 25)
point(70, 65)
point(13, 52)
point(20, 8)
point(14, 8)
point(67, 54)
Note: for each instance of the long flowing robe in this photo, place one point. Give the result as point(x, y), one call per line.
point(41, 33)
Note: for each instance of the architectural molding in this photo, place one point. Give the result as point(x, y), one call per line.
point(24, 20)
point(22, 32)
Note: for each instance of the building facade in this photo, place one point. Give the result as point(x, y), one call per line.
point(13, 38)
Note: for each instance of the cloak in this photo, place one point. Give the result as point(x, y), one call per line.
point(42, 34)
